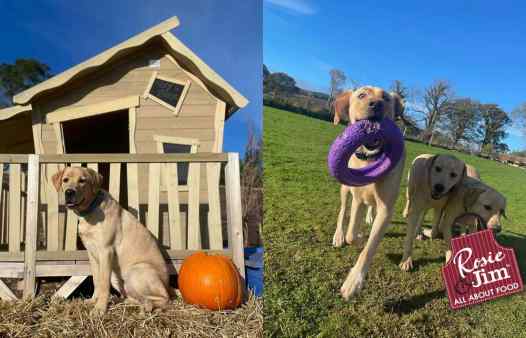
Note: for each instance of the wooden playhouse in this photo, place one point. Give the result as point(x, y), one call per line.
point(148, 114)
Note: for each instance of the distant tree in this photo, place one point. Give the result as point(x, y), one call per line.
point(461, 119)
point(337, 81)
point(266, 72)
point(397, 87)
point(492, 129)
point(280, 83)
point(433, 104)
point(21, 75)
point(519, 153)
point(252, 188)
point(519, 117)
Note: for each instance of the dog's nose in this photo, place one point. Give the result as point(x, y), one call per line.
point(377, 108)
point(69, 192)
point(496, 229)
point(439, 188)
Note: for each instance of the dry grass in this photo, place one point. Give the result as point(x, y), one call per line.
point(51, 317)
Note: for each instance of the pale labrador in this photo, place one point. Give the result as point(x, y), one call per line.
point(429, 181)
point(121, 251)
point(367, 103)
point(470, 196)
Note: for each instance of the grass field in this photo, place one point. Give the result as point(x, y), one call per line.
point(303, 272)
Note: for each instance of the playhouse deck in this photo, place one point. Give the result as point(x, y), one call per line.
point(38, 236)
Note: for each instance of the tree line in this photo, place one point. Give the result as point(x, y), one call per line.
point(434, 114)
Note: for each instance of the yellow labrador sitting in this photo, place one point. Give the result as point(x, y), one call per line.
point(119, 247)
point(470, 196)
point(430, 181)
point(367, 103)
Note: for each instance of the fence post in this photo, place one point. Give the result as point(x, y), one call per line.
point(234, 214)
point(33, 183)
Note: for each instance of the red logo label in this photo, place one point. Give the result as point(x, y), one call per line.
point(480, 270)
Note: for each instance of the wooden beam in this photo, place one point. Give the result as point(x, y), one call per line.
point(219, 126)
point(177, 235)
point(8, 113)
point(6, 293)
point(82, 256)
point(234, 213)
point(33, 182)
point(154, 173)
point(194, 226)
point(69, 286)
point(115, 180)
point(14, 207)
point(215, 231)
point(132, 171)
point(67, 114)
point(123, 158)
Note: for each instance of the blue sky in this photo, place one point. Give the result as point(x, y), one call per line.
point(226, 34)
point(478, 46)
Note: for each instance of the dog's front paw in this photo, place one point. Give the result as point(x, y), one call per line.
point(92, 300)
point(338, 239)
point(406, 265)
point(100, 308)
point(355, 240)
point(420, 237)
point(352, 285)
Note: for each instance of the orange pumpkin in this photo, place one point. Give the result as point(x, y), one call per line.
point(212, 282)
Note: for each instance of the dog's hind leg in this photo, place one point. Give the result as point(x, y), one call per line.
point(338, 238)
point(356, 277)
point(143, 283)
point(356, 218)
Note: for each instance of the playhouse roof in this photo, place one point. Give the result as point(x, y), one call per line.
point(181, 53)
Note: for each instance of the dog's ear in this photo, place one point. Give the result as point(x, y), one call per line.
point(471, 195)
point(95, 179)
point(57, 179)
point(341, 107)
point(430, 163)
point(398, 106)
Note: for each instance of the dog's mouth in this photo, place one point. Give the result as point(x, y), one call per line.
point(436, 195)
point(73, 204)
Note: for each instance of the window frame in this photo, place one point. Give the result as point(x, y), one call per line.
point(160, 140)
point(184, 83)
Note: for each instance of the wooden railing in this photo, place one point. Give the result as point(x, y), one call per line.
point(38, 235)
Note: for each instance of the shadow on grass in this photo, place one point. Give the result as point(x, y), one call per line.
point(396, 258)
point(518, 243)
point(411, 304)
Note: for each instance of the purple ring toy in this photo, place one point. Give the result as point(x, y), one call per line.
point(357, 134)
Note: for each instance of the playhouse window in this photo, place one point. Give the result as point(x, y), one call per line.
point(177, 145)
point(167, 92)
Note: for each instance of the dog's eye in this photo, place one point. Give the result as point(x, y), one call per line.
point(453, 175)
point(362, 95)
point(438, 169)
point(65, 180)
point(487, 207)
point(82, 180)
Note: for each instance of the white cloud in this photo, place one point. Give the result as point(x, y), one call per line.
point(298, 6)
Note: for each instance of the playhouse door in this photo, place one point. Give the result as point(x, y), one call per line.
point(100, 134)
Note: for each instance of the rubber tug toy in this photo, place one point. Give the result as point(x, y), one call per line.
point(367, 133)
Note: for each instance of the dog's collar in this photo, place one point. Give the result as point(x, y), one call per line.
point(94, 205)
point(366, 157)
